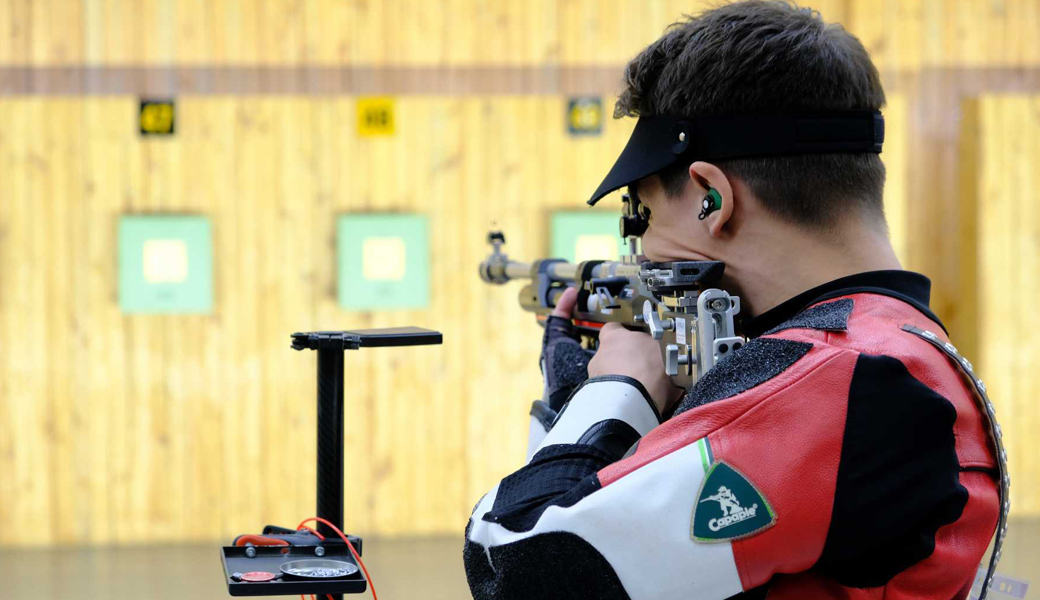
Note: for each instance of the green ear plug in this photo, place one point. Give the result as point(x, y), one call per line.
point(711, 203)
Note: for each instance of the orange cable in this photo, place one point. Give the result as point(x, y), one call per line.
point(350, 546)
point(315, 532)
point(322, 538)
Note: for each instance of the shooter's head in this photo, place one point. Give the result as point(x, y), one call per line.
point(767, 105)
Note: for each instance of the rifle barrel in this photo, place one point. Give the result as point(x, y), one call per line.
point(506, 271)
point(517, 270)
point(496, 270)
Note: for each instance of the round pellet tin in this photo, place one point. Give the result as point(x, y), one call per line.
point(319, 568)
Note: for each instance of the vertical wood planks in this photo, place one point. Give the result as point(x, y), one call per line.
point(127, 429)
point(214, 434)
point(1009, 234)
point(896, 173)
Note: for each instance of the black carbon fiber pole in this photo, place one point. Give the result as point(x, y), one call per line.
point(330, 439)
point(331, 346)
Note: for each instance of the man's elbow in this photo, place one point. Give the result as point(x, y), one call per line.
point(479, 573)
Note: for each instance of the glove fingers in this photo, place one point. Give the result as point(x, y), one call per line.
point(558, 326)
point(567, 366)
point(564, 363)
point(569, 363)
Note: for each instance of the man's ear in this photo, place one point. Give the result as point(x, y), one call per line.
point(710, 176)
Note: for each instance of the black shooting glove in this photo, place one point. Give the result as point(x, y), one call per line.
point(564, 363)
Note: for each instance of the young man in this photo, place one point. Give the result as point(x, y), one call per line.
point(845, 451)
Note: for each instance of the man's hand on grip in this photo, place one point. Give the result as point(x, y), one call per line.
point(634, 354)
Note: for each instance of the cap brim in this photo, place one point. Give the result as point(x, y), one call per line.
point(653, 145)
point(659, 141)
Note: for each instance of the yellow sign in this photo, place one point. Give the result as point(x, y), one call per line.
point(375, 116)
point(585, 116)
point(156, 117)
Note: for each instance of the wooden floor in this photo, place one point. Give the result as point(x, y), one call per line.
point(418, 569)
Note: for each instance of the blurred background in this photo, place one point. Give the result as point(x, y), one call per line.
point(151, 408)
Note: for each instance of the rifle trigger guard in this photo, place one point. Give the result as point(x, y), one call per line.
point(607, 289)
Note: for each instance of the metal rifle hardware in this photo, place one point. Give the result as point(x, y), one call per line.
point(607, 290)
point(635, 217)
point(674, 302)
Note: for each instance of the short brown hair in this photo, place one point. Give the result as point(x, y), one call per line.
point(760, 56)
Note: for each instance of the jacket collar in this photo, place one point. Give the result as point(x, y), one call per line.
point(912, 288)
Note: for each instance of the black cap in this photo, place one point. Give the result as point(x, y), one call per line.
point(659, 141)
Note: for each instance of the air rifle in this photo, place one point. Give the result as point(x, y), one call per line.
point(674, 302)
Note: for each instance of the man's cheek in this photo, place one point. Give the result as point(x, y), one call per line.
point(649, 246)
point(659, 249)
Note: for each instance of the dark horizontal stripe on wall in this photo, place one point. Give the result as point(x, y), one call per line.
point(168, 81)
point(432, 80)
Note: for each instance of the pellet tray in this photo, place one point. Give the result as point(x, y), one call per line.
point(270, 559)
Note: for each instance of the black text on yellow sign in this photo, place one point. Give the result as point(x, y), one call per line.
point(376, 116)
point(156, 117)
point(585, 116)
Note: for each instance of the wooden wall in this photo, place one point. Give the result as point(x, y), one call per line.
point(126, 429)
point(1009, 279)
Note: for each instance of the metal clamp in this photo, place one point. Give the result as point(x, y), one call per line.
point(654, 321)
point(673, 358)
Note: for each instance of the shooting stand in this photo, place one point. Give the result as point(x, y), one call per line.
point(297, 545)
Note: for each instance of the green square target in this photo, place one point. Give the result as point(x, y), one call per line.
point(384, 261)
point(165, 264)
point(586, 235)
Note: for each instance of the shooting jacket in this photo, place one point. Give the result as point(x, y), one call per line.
point(836, 455)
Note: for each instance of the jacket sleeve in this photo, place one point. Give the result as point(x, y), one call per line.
point(554, 529)
point(720, 498)
point(533, 535)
